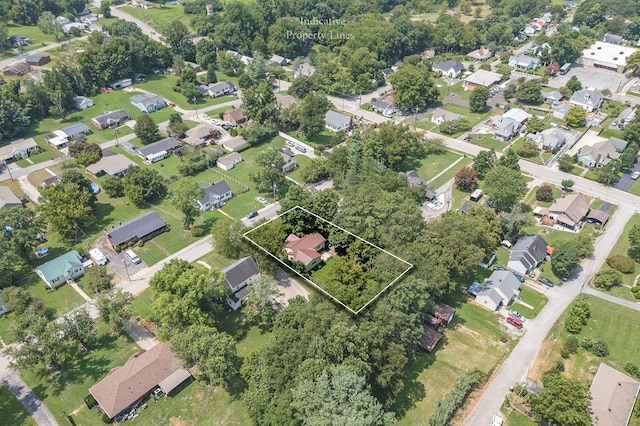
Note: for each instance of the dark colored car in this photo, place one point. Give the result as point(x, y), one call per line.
point(514, 322)
point(252, 214)
point(546, 281)
point(498, 268)
point(519, 277)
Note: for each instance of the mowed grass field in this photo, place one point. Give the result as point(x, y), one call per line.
point(432, 165)
point(12, 411)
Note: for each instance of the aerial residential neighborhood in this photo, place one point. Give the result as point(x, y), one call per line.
point(225, 212)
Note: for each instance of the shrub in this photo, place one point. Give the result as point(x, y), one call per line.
point(569, 346)
point(558, 367)
point(578, 315)
point(632, 369)
point(607, 279)
point(197, 231)
point(448, 404)
point(623, 264)
point(544, 193)
point(596, 347)
point(193, 167)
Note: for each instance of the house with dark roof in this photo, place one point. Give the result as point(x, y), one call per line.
point(141, 228)
point(9, 200)
point(569, 210)
point(443, 312)
point(613, 39)
point(429, 339)
point(112, 165)
point(305, 249)
point(500, 289)
point(215, 195)
point(148, 102)
point(414, 180)
point(280, 60)
point(17, 69)
point(238, 276)
point(125, 386)
point(159, 150)
point(110, 119)
point(613, 396)
point(35, 59)
point(337, 122)
point(527, 253)
point(450, 68)
point(290, 163)
point(61, 270)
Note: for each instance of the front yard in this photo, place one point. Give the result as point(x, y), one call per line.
point(531, 297)
point(432, 165)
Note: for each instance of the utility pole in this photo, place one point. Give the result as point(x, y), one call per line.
point(126, 267)
point(194, 103)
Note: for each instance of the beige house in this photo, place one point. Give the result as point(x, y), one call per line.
point(569, 210)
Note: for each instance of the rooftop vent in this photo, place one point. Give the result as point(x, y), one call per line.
point(621, 53)
point(599, 47)
point(615, 58)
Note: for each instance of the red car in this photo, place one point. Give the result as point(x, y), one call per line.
point(514, 322)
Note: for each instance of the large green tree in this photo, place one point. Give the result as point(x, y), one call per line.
point(562, 401)
point(484, 162)
point(311, 114)
point(115, 310)
point(228, 239)
point(413, 87)
point(259, 101)
point(146, 129)
point(528, 92)
point(184, 197)
point(177, 36)
point(68, 208)
point(390, 144)
point(144, 185)
point(566, 257)
point(575, 117)
point(504, 187)
point(22, 230)
point(478, 100)
point(269, 178)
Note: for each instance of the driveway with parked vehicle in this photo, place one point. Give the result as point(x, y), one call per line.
point(628, 178)
point(116, 261)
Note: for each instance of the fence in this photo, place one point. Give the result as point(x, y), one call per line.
point(244, 187)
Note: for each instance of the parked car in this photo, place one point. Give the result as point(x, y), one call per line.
point(514, 322)
point(497, 420)
point(635, 175)
point(546, 281)
point(518, 315)
point(519, 277)
point(498, 268)
point(262, 200)
point(252, 214)
point(300, 148)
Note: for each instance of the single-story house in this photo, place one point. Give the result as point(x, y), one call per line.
point(228, 162)
point(215, 195)
point(588, 99)
point(127, 385)
point(121, 84)
point(82, 102)
point(613, 396)
point(18, 149)
point(561, 110)
point(9, 200)
point(110, 119)
point(112, 165)
point(428, 54)
point(17, 69)
point(35, 59)
point(569, 210)
point(527, 253)
point(552, 138)
point(61, 138)
point(337, 122)
point(238, 276)
point(71, 25)
point(450, 68)
point(524, 62)
point(143, 4)
point(414, 180)
point(387, 73)
point(429, 339)
point(285, 101)
point(481, 78)
point(199, 135)
point(552, 97)
point(62, 269)
point(305, 249)
point(601, 153)
point(141, 228)
point(481, 54)
point(159, 150)
point(220, 88)
point(509, 124)
point(237, 143)
point(500, 289)
point(148, 102)
point(384, 108)
point(289, 162)
point(53, 180)
point(304, 70)
point(237, 117)
point(280, 60)
point(440, 115)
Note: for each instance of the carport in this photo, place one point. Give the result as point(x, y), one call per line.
point(597, 216)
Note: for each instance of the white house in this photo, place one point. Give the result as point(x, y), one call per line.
point(148, 102)
point(509, 123)
point(237, 143)
point(215, 195)
point(18, 149)
point(229, 161)
point(527, 253)
point(440, 115)
point(304, 70)
point(524, 62)
point(289, 162)
point(238, 278)
point(384, 108)
point(62, 269)
point(451, 69)
point(337, 122)
point(500, 289)
point(82, 102)
point(220, 88)
point(588, 99)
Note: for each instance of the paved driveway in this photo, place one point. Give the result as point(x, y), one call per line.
point(267, 212)
point(117, 260)
point(625, 183)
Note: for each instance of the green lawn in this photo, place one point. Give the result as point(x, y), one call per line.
point(449, 174)
point(216, 260)
point(141, 305)
point(530, 199)
point(34, 33)
point(533, 298)
point(516, 418)
point(432, 165)
point(487, 141)
point(472, 328)
point(324, 138)
point(12, 412)
point(302, 161)
point(67, 393)
point(160, 16)
point(163, 85)
point(635, 189)
point(473, 117)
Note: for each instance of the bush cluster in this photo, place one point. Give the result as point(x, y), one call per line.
point(448, 404)
point(623, 264)
point(569, 346)
point(578, 315)
point(596, 347)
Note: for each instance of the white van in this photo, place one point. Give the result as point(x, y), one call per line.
point(98, 257)
point(132, 256)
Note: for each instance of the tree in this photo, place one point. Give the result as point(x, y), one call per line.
point(16, 299)
point(146, 129)
point(262, 305)
point(565, 258)
point(114, 310)
point(607, 279)
point(528, 149)
point(269, 176)
point(85, 153)
point(176, 126)
point(575, 117)
point(228, 239)
point(23, 228)
point(562, 401)
point(509, 160)
point(337, 396)
point(484, 162)
point(567, 184)
point(79, 327)
point(544, 193)
point(466, 179)
point(609, 174)
point(390, 144)
point(185, 198)
point(633, 63)
point(113, 186)
point(478, 99)
point(211, 75)
point(13, 118)
point(311, 114)
point(206, 55)
point(42, 350)
point(413, 87)
point(105, 9)
point(229, 63)
point(49, 25)
point(143, 185)
point(528, 92)
point(259, 102)
point(565, 163)
point(535, 125)
point(96, 279)
point(214, 353)
point(573, 84)
point(504, 187)
point(67, 206)
point(634, 236)
point(513, 223)
point(178, 38)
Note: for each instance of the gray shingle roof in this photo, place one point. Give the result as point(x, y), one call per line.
point(447, 65)
point(76, 129)
point(529, 251)
point(116, 116)
point(166, 144)
point(137, 228)
point(240, 271)
point(214, 191)
point(336, 120)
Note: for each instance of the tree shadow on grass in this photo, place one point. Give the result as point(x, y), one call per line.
point(207, 224)
point(413, 389)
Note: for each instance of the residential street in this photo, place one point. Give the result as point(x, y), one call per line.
point(25, 395)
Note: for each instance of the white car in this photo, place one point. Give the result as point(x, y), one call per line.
point(518, 315)
point(497, 420)
point(262, 201)
point(635, 175)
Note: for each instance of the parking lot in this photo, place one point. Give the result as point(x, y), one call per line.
point(117, 261)
point(591, 77)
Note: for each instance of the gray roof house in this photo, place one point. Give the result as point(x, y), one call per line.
point(500, 289)
point(336, 121)
point(450, 68)
point(509, 123)
point(220, 88)
point(619, 144)
point(304, 70)
point(9, 200)
point(414, 180)
point(148, 102)
point(601, 153)
point(527, 253)
point(238, 276)
point(215, 195)
point(440, 115)
point(62, 269)
point(588, 99)
point(236, 143)
point(110, 119)
point(552, 138)
point(613, 39)
point(524, 62)
point(112, 165)
point(383, 108)
point(143, 227)
point(290, 162)
point(20, 148)
point(160, 148)
point(280, 60)
point(551, 97)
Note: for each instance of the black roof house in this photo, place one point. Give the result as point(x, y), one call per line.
point(142, 227)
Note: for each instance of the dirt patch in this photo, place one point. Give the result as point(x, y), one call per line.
point(545, 358)
point(150, 326)
point(176, 422)
point(200, 395)
point(76, 411)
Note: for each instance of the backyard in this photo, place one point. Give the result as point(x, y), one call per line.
point(163, 85)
